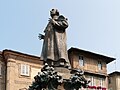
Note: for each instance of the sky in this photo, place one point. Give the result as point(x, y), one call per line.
point(94, 25)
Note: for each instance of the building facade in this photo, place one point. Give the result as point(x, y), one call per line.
point(17, 70)
point(2, 72)
point(94, 67)
point(114, 81)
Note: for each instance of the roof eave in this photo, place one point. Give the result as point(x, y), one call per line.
point(110, 59)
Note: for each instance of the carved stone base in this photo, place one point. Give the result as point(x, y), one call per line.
point(58, 78)
point(64, 72)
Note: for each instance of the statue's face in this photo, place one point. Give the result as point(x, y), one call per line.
point(54, 12)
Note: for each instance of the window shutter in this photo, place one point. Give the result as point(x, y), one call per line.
point(27, 70)
point(22, 69)
point(92, 81)
point(101, 82)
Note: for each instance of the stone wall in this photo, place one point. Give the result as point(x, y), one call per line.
point(2, 73)
point(16, 80)
point(90, 67)
point(114, 81)
point(90, 62)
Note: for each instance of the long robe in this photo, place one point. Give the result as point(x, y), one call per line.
point(54, 45)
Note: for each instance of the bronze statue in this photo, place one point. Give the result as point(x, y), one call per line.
point(54, 45)
point(54, 53)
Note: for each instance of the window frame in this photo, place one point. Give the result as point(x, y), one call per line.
point(100, 65)
point(101, 80)
point(81, 61)
point(25, 70)
point(109, 80)
point(92, 79)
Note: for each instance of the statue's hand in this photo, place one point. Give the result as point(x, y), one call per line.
point(40, 36)
point(52, 21)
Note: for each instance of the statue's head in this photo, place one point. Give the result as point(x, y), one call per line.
point(54, 12)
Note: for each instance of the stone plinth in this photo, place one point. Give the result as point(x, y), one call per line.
point(64, 72)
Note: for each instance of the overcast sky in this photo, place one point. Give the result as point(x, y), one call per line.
point(94, 25)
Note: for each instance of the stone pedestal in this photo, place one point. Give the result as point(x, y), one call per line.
point(64, 72)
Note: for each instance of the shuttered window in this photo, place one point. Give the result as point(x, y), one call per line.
point(99, 65)
point(101, 80)
point(81, 61)
point(25, 69)
point(91, 78)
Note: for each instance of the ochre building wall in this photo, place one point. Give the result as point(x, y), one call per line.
point(14, 78)
point(2, 72)
point(91, 67)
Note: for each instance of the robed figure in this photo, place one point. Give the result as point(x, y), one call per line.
point(54, 45)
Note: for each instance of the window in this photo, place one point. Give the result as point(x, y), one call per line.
point(91, 78)
point(109, 80)
point(101, 82)
point(0, 69)
point(25, 69)
point(99, 65)
point(81, 61)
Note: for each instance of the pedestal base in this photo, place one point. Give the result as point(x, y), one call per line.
point(64, 72)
